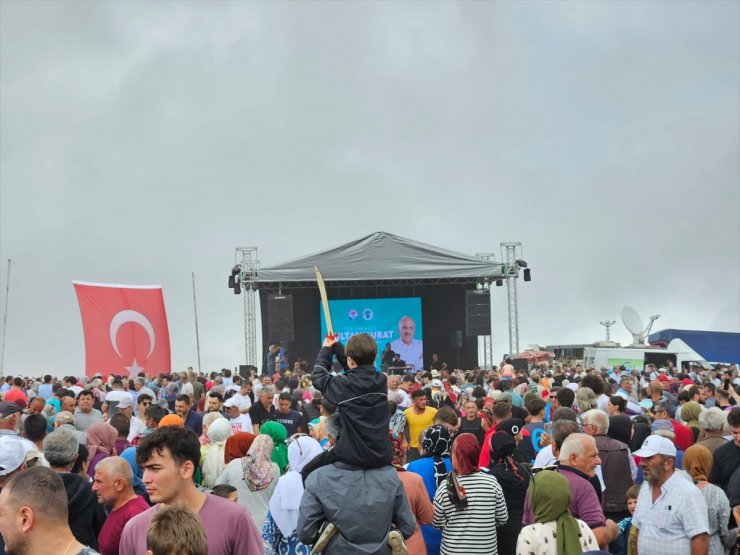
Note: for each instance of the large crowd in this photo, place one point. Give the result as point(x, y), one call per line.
point(344, 458)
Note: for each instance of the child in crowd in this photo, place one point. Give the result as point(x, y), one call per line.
point(175, 531)
point(362, 400)
point(226, 491)
point(627, 539)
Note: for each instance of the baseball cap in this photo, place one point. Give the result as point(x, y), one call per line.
point(661, 426)
point(437, 383)
point(231, 402)
point(663, 378)
point(511, 426)
point(7, 408)
point(687, 381)
point(126, 402)
point(656, 445)
point(12, 454)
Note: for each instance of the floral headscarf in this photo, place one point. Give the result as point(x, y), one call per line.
point(257, 465)
point(399, 452)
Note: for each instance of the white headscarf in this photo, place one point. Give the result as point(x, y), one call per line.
point(214, 464)
point(287, 495)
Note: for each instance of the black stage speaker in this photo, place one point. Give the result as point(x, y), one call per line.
point(477, 313)
point(280, 318)
point(456, 339)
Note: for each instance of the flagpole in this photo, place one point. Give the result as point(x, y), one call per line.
point(5, 321)
point(197, 337)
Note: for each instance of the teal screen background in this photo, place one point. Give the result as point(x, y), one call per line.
point(378, 317)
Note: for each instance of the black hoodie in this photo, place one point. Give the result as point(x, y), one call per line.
point(86, 515)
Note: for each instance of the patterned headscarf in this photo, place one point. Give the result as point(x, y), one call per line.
point(399, 452)
point(279, 435)
point(257, 466)
point(436, 444)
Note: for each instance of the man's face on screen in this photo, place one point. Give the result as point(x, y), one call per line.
point(407, 327)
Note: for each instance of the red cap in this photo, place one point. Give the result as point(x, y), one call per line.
point(687, 381)
point(663, 378)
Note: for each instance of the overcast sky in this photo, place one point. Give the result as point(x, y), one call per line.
point(141, 142)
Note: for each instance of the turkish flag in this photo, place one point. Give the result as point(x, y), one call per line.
point(125, 329)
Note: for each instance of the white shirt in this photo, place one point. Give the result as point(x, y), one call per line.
point(406, 403)
point(241, 424)
point(412, 355)
point(187, 389)
point(678, 514)
point(242, 401)
point(137, 427)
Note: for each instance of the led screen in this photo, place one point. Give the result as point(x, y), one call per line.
point(396, 321)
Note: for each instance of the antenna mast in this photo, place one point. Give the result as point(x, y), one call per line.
point(608, 324)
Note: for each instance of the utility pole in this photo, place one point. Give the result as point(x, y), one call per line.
point(5, 321)
point(608, 324)
point(197, 337)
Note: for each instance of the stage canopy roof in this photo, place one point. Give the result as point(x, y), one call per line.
point(381, 258)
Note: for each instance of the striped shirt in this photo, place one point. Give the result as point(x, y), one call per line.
point(473, 530)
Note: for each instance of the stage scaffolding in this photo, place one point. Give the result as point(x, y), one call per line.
point(249, 265)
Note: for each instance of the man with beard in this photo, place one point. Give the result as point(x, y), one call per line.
point(671, 514)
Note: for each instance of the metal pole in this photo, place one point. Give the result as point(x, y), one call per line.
point(197, 336)
point(512, 273)
point(5, 321)
point(246, 292)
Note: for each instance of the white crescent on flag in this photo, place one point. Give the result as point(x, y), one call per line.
point(126, 316)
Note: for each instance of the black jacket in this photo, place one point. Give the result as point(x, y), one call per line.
point(361, 395)
point(86, 515)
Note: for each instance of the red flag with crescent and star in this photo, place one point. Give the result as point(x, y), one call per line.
point(125, 329)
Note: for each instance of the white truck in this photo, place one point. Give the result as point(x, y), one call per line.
point(637, 357)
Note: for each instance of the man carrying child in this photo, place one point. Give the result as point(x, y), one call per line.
point(360, 462)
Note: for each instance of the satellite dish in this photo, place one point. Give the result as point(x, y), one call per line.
point(632, 321)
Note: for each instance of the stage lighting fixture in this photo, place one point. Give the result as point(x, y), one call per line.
point(499, 282)
point(236, 269)
point(527, 274)
point(521, 263)
point(232, 281)
point(237, 288)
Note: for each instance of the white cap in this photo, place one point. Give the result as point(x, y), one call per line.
point(656, 445)
point(12, 454)
point(231, 402)
point(126, 402)
point(437, 383)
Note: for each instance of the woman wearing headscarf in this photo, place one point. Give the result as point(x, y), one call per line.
point(555, 531)
point(697, 461)
point(279, 531)
point(469, 505)
point(214, 463)
point(416, 494)
point(620, 428)
point(101, 443)
point(129, 455)
point(254, 476)
point(513, 477)
point(237, 446)
point(640, 432)
point(433, 465)
point(690, 414)
point(279, 435)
